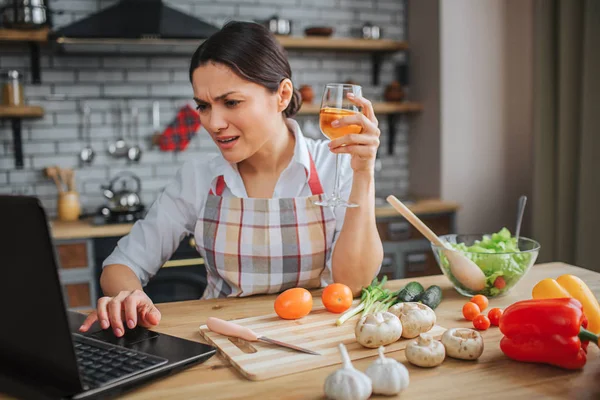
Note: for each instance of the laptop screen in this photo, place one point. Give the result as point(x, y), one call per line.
point(34, 337)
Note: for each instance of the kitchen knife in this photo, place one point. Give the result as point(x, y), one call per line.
point(231, 329)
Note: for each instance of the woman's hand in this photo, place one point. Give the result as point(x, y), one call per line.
point(362, 146)
point(134, 307)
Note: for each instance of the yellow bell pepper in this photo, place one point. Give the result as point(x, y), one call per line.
point(571, 286)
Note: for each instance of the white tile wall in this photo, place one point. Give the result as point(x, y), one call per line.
point(55, 138)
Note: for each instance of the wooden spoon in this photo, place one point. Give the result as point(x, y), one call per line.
point(463, 269)
point(52, 172)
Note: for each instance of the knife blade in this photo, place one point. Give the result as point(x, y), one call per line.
point(232, 329)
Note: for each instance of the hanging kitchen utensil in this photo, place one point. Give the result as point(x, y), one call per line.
point(155, 138)
point(87, 154)
point(135, 152)
point(119, 147)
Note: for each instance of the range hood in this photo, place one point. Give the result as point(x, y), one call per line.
point(135, 26)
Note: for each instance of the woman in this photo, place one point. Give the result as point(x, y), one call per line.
point(251, 209)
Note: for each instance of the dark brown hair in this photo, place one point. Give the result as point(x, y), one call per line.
point(253, 53)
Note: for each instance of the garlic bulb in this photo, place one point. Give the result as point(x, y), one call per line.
point(347, 383)
point(388, 376)
point(380, 329)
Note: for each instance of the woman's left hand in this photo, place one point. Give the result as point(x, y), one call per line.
point(362, 146)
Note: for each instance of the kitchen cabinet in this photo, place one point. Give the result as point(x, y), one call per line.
point(183, 277)
point(76, 271)
point(407, 253)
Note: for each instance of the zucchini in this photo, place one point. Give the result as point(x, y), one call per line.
point(410, 292)
point(432, 297)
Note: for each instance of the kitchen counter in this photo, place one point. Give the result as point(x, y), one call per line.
point(84, 229)
point(493, 376)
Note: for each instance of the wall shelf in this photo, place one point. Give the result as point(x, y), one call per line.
point(16, 114)
point(21, 112)
point(20, 35)
point(377, 48)
point(379, 108)
point(341, 44)
point(391, 110)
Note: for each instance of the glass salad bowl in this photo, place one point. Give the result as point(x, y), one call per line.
point(501, 260)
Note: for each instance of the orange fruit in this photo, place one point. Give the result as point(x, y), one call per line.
point(293, 303)
point(337, 297)
point(481, 301)
point(470, 311)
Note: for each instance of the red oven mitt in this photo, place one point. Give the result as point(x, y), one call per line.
point(180, 131)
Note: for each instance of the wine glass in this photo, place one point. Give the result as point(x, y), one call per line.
point(335, 105)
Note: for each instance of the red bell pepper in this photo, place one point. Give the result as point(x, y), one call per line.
point(548, 331)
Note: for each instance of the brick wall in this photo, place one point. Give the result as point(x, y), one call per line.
point(55, 139)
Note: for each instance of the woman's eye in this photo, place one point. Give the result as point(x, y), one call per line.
point(232, 103)
point(201, 107)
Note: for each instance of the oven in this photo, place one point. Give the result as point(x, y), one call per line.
point(181, 278)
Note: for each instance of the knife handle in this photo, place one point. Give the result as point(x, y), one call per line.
point(230, 329)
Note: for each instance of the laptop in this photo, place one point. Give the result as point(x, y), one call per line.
point(42, 355)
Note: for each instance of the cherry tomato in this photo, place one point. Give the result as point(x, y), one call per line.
point(500, 283)
point(293, 303)
point(494, 316)
point(481, 322)
point(481, 301)
point(470, 311)
point(337, 297)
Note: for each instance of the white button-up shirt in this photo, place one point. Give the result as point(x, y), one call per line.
point(173, 215)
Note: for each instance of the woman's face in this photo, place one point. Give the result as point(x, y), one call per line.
point(241, 116)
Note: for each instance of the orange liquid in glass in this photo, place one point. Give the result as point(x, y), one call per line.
point(328, 115)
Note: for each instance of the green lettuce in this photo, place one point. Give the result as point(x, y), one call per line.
point(498, 256)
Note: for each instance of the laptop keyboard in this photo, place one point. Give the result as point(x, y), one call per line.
point(100, 363)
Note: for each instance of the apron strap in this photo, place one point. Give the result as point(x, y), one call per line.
point(314, 183)
point(220, 187)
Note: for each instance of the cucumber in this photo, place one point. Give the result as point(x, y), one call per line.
point(410, 292)
point(432, 297)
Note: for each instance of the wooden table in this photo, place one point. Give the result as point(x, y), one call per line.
point(493, 376)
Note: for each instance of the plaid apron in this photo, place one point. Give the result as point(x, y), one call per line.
point(258, 246)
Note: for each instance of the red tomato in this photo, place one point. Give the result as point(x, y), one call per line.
point(337, 297)
point(481, 301)
point(494, 316)
point(293, 303)
point(481, 322)
point(470, 311)
point(500, 283)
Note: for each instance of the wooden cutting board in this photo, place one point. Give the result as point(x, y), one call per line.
point(317, 331)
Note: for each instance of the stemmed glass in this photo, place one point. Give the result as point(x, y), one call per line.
point(335, 105)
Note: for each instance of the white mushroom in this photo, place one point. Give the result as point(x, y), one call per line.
point(463, 343)
point(389, 377)
point(425, 352)
point(416, 318)
point(347, 383)
point(380, 329)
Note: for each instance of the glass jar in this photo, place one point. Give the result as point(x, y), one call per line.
point(12, 89)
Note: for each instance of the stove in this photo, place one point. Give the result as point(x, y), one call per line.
point(105, 217)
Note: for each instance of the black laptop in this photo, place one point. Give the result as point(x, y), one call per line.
point(41, 353)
